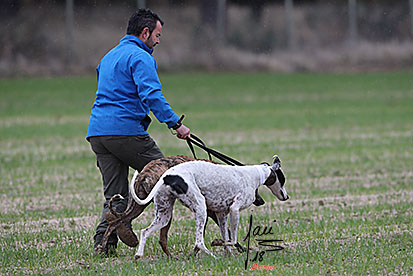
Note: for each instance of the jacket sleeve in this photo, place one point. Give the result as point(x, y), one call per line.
point(146, 78)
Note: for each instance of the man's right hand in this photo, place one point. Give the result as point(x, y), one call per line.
point(183, 132)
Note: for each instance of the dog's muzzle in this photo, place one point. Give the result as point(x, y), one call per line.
point(284, 194)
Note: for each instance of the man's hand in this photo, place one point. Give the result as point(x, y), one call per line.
point(183, 132)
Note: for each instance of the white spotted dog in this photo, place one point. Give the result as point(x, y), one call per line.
point(223, 189)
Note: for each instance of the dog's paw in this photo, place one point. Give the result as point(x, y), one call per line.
point(126, 235)
point(218, 242)
point(99, 250)
point(240, 248)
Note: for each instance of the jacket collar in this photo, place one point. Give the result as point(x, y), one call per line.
point(137, 41)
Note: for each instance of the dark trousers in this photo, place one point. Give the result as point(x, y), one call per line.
point(115, 154)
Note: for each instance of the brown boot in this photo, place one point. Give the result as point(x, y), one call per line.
point(124, 231)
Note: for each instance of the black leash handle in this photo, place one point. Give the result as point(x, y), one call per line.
point(193, 139)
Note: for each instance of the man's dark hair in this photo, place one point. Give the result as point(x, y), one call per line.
point(141, 19)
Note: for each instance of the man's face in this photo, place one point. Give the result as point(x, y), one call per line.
point(153, 39)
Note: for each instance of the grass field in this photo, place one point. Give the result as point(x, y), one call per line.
point(346, 143)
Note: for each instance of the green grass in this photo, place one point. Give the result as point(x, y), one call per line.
point(346, 143)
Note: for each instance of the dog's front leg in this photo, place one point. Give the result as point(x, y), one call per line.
point(234, 217)
point(223, 226)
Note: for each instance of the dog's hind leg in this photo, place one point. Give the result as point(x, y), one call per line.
point(200, 212)
point(125, 232)
point(163, 238)
point(190, 196)
point(196, 202)
point(163, 215)
point(114, 221)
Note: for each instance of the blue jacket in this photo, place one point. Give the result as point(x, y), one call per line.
point(128, 88)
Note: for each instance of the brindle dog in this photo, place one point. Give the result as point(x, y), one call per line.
point(143, 185)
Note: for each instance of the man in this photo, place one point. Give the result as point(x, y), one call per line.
point(128, 88)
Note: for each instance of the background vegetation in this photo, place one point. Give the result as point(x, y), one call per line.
point(44, 37)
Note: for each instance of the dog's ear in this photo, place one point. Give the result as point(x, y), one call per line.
point(276, 165)
point(258, 199)
point(280, 176)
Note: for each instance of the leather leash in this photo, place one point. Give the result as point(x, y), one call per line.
point(193, 139)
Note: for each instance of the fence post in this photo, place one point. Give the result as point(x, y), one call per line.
point(352, 18)
point(289, 18)
point(221, 21)
point(69, 33)
point(411, 18)
point(140, 4)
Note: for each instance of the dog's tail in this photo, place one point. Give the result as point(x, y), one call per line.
point(149, 197)
point(110, 205)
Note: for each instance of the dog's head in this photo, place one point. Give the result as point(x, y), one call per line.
point(275, 182)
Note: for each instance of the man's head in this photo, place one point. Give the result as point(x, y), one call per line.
point(147, 26)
